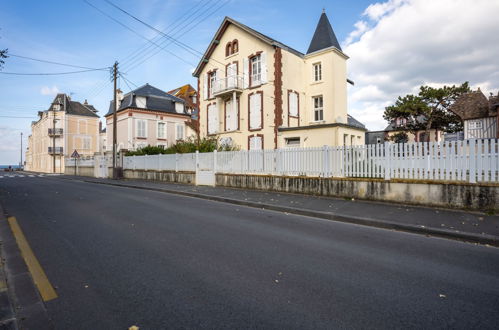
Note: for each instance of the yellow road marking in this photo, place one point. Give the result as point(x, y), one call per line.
point(42, 282)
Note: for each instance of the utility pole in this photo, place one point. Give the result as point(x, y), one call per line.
point(53, 138)
point(115, 126)
point(21, 165)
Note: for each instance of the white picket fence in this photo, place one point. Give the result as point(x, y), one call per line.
point(466, 161)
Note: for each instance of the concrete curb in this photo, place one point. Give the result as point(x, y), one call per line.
point(364, 221)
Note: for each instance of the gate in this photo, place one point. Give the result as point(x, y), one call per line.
point(100, 167)
point(205, 168)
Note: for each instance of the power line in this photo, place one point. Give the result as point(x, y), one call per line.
point(17, 117)
point(135, 32)
point(192, 27)
point(57, 63)
point(48, 73)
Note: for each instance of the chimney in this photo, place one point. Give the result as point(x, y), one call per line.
point(86, 103)
point(119, 97)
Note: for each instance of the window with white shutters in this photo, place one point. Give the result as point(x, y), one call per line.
point(255, 111)
point(231, 115)
point(212, 119)
point(141, 128)
point(293, 104)
point(256, 70)
point(256, 143)
point(212, 82)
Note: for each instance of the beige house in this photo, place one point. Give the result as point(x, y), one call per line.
point(147, 116)
point(76, 128)
point(258, 93)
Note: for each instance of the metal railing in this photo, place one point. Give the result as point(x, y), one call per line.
point(56, 150)
point(227, 84)
point(55, 132)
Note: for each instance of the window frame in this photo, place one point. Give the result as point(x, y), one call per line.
point(177, 125)
point(317, 110)
point(317, 72)
point(158, 131)
point(258, 61)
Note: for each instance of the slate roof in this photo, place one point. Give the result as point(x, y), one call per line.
point(354, 122)
point(324, 36)
point(156, 100)
point(74, 107)
point(475, 105)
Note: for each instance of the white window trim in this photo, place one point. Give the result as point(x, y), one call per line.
point(255, 82)
point(137, 128)
point(314, 109)
point(177, 125)
point(314, 66)
point(157, 130)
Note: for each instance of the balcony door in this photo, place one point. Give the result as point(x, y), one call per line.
point(232, 75)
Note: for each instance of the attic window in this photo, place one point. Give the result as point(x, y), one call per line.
point(140, 101)
point(179, 107)
point(231, 48)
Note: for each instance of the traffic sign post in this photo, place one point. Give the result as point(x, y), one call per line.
point(75, 155)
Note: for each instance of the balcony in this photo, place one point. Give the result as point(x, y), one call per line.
point(227, 85)
point(55, 151)
point(55, 131)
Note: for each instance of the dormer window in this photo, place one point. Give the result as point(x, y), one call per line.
point(140, 101)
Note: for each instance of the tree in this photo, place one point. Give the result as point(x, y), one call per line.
point(400, 137)
point(3, 54)
point(429, 109)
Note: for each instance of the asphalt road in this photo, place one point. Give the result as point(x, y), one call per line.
point(120, 257)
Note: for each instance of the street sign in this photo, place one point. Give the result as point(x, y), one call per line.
point(75, 154)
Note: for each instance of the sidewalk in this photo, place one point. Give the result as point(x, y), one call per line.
point(468, 226)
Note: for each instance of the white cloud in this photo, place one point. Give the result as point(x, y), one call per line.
point(45, 90)
point(401, 44)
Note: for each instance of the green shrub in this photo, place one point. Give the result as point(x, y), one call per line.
point(187, 146)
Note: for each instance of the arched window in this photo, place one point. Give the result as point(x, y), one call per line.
point(235, 46)
point(228, 49)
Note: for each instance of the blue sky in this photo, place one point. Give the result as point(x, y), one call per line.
point(375, 34)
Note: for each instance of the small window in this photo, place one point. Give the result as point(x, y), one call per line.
point(475, 124)
point(179, 107)
point(228, 49)
point(161, 145)
point(161, 130)
point(235, 46)
point(318, 108)
point(293, 142)
point(179, 132)
point(317, 72)
point(140, 101)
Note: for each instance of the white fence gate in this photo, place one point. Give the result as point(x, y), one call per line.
point(205, 168)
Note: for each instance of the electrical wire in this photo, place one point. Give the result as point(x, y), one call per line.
point(56, 63)
point(47, 73)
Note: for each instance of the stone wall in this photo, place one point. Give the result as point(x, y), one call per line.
point(167, 176)
point(80, 170)
point(450, 195)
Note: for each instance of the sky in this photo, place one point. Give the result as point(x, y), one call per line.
point(394, 46)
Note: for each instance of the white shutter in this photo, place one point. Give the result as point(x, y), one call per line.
point(293, 104)
point(246, 72)
point(263, 58)
point(230, 116)
point(212, 119)
point(255, 111)
point(205, 87)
